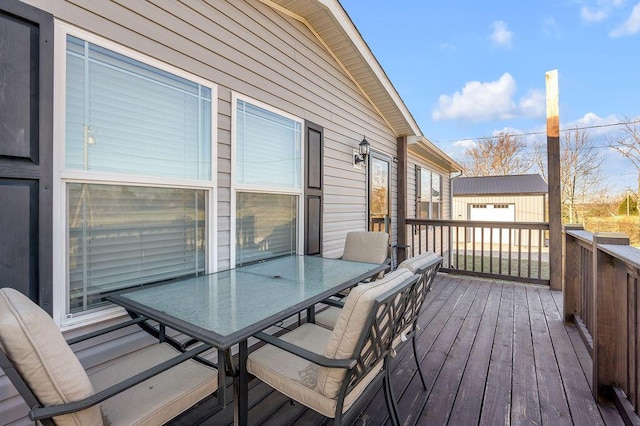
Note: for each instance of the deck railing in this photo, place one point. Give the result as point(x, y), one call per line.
point(601, 295)
point(505, 250)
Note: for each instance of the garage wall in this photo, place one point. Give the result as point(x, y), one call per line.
point(528, 208)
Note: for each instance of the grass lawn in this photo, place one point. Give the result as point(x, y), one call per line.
point(495, 265)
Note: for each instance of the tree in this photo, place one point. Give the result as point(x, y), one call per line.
point(497, 156)
point(580, 170)
point(628, 143)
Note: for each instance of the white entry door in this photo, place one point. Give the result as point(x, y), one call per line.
point(492, 213)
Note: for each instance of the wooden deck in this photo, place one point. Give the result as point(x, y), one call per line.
point(493, 353)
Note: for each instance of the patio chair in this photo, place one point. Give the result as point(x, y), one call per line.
point(333, 371)
point(48, 375)
point(426, 265)
point(365, 246)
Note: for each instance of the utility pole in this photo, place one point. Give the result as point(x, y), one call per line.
point(553, 164)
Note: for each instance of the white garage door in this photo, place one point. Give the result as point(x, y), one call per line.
point(493, 213)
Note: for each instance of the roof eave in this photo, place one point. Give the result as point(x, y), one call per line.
point(423, 147)
point(331, 24)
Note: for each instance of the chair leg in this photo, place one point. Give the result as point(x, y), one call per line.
point(392, 407)
point(415, 356)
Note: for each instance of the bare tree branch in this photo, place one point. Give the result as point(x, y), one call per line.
point(498, 156)
point(580, 170)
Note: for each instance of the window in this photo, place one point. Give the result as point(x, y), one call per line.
point(428, 194)
point(268, 176)
point(137, 177)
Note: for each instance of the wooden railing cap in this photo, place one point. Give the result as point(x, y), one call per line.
point(618, 237)
point(572, 226)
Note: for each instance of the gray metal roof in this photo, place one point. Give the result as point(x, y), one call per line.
point(485, 185)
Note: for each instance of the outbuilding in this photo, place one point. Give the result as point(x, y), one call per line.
point(517, 198)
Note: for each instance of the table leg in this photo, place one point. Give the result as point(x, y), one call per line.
point(241, 388)
point(222, 378)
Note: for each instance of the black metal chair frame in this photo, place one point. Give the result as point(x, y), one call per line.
point(410, 318)
point(414, 307)
point(44, 414)
point(374, 346)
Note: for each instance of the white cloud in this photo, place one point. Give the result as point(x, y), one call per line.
point(492, 100)
point(464, 143)
point(589, 14)
point(501, 36)
point(597, 125)
point(447, 46)
point(630, 26)
point(551, 28)
point(534, 104)
point(600, 11)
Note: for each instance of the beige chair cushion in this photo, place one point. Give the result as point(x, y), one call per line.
point(349, 327)
point(363, 246)
point(328, 317)
point(158, 399)
point(296, 377)
point(43, 358)
point(417, 263)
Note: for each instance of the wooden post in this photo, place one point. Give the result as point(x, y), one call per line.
point(610, 315)
point(573, 274)
point(553, 166)
point(402, 196)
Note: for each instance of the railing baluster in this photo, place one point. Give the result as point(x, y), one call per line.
point(491, 249)
point(480, 237)
point(540, 254)
point(529, 254)
point(519, 252)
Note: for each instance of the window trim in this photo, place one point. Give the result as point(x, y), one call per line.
point(62, 177)
point(235, 187)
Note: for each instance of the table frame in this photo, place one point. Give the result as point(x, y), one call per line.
point(224, 343)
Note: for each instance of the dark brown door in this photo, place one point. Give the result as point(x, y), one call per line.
point(313, 189)
point(26, 142)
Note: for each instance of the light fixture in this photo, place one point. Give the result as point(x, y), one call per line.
point(363, 152)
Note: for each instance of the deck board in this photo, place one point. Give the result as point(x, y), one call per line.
point(492, 353)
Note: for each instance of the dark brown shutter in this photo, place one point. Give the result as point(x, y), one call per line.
point(313, 189)
point(26, 150)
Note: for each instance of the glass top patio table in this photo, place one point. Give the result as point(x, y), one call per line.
point(227, 307)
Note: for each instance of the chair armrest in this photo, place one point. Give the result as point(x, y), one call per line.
point(38, 413)
point(304, 353)
point(333, 302)
point(106, 330)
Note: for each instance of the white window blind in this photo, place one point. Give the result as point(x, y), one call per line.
point(268, 147)
point(124, 116)
point(123, 236)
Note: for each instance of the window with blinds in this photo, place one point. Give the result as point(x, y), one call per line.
point(124, 236)
point(265, 226)
point(429, 194)
point(128, 126)
point(268, 148)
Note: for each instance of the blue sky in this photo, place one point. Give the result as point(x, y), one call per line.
point(467, 69)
